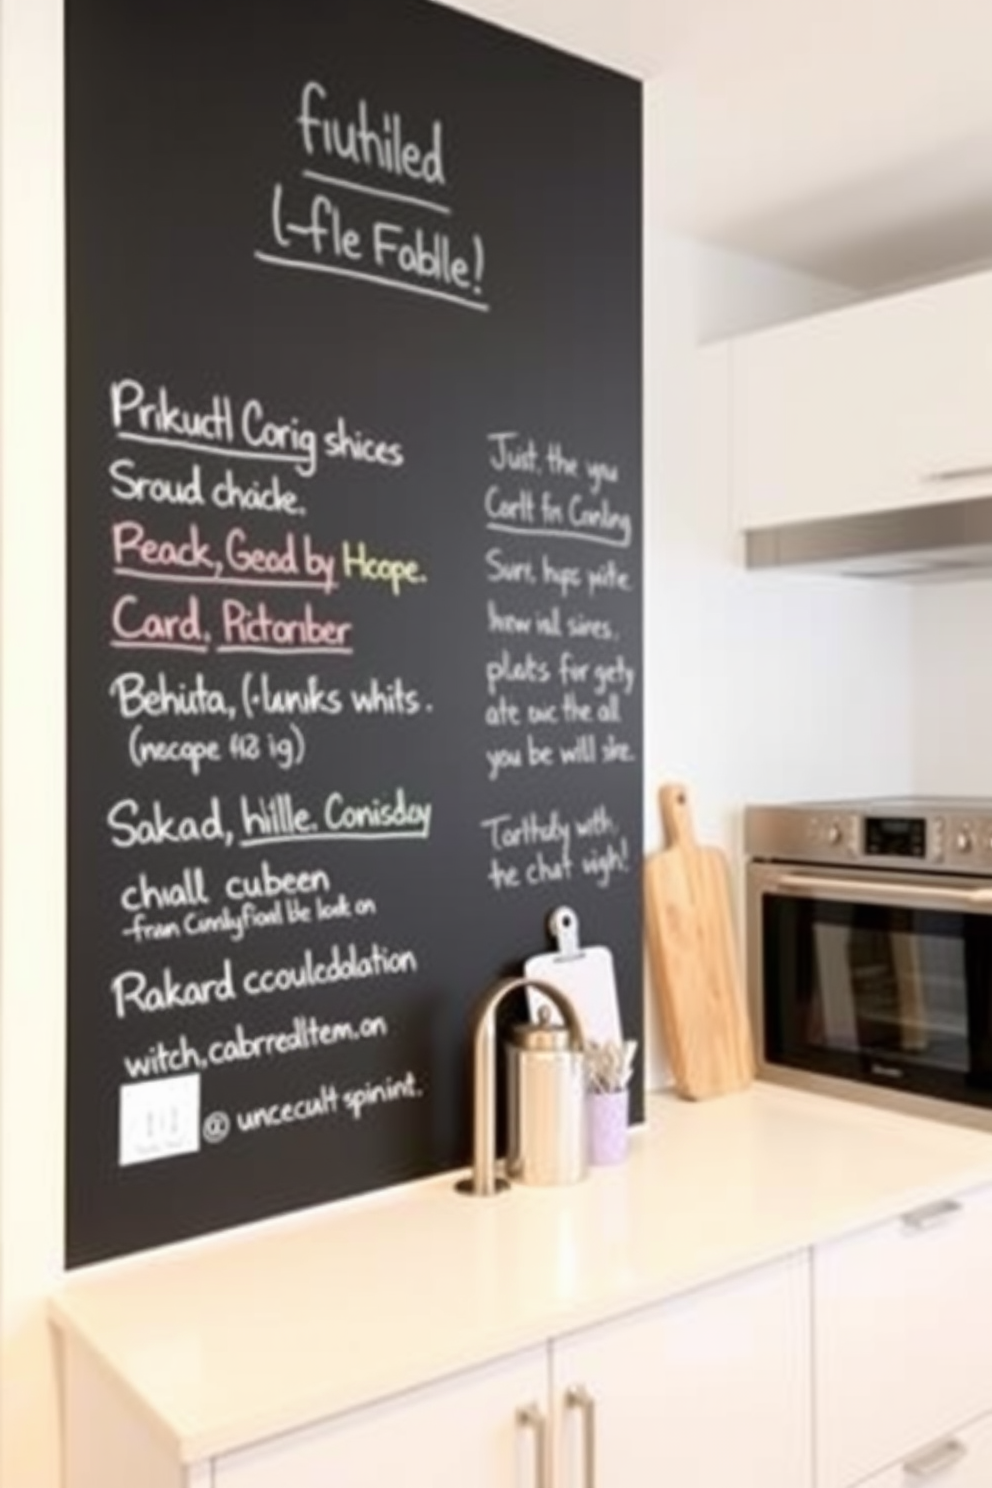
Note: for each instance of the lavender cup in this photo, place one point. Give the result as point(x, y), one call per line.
point(607, 1115)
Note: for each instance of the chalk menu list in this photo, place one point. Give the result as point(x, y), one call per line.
point(355, 637)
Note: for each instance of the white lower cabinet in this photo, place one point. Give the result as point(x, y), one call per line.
point(710, 1390)
point(902, 1344)
point(486, 1427)
point(866, 1363)
point(961, 1459)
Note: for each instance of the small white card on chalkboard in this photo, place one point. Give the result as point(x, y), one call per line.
point(159, 1118)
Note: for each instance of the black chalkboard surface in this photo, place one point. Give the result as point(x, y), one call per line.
point(355, 567)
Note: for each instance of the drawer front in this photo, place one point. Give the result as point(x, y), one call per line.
point(903, 1345)
point(462, 1430)
point(962, 1459)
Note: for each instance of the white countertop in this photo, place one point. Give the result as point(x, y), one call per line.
point(229, 1340)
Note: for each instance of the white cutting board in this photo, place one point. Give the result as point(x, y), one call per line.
point(586, 976)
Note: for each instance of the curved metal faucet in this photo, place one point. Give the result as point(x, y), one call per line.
point(484, 1181)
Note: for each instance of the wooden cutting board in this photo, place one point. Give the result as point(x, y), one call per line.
point(694, 963)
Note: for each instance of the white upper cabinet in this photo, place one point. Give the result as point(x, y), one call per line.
point(882, 404)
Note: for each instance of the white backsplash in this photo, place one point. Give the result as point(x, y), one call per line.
point(952, 654)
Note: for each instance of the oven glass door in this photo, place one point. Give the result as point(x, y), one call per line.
point(882, 980)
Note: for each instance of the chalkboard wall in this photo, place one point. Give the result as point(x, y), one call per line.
point(355, 618)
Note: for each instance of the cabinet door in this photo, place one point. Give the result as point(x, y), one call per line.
point(818, 414)
point(882, 404)
point(951, 326)
point(903, 1350)
point(710, 1390)
point(465, 1429)
point(962, 1459)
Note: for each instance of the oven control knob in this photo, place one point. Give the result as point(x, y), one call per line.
point(964, 841)
point(835, 835)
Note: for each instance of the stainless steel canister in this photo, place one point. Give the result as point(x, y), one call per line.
point(546, 1106)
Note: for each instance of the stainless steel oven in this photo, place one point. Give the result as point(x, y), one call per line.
point(869, 949)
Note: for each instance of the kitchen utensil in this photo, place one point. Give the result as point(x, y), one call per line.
point(546, 1112)
point(584, 973)
point(545, 1088)
point(609, 1066)
point(693, 955)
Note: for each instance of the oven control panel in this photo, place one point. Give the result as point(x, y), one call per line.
point(895, 837)
point(949, 837)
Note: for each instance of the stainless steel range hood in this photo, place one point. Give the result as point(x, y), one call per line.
point(930, 542)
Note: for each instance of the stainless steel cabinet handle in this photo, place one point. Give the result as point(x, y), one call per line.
point(930, 1215)
point(578, 1398)
point(934, 1460)
point(531, 1418)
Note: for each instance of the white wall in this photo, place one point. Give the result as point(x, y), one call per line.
point(952, 623)
point(758, 687)
point(755, 687)
point(31, 729)
point(736, 293)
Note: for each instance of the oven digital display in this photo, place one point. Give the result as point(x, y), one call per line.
point(895, 837)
